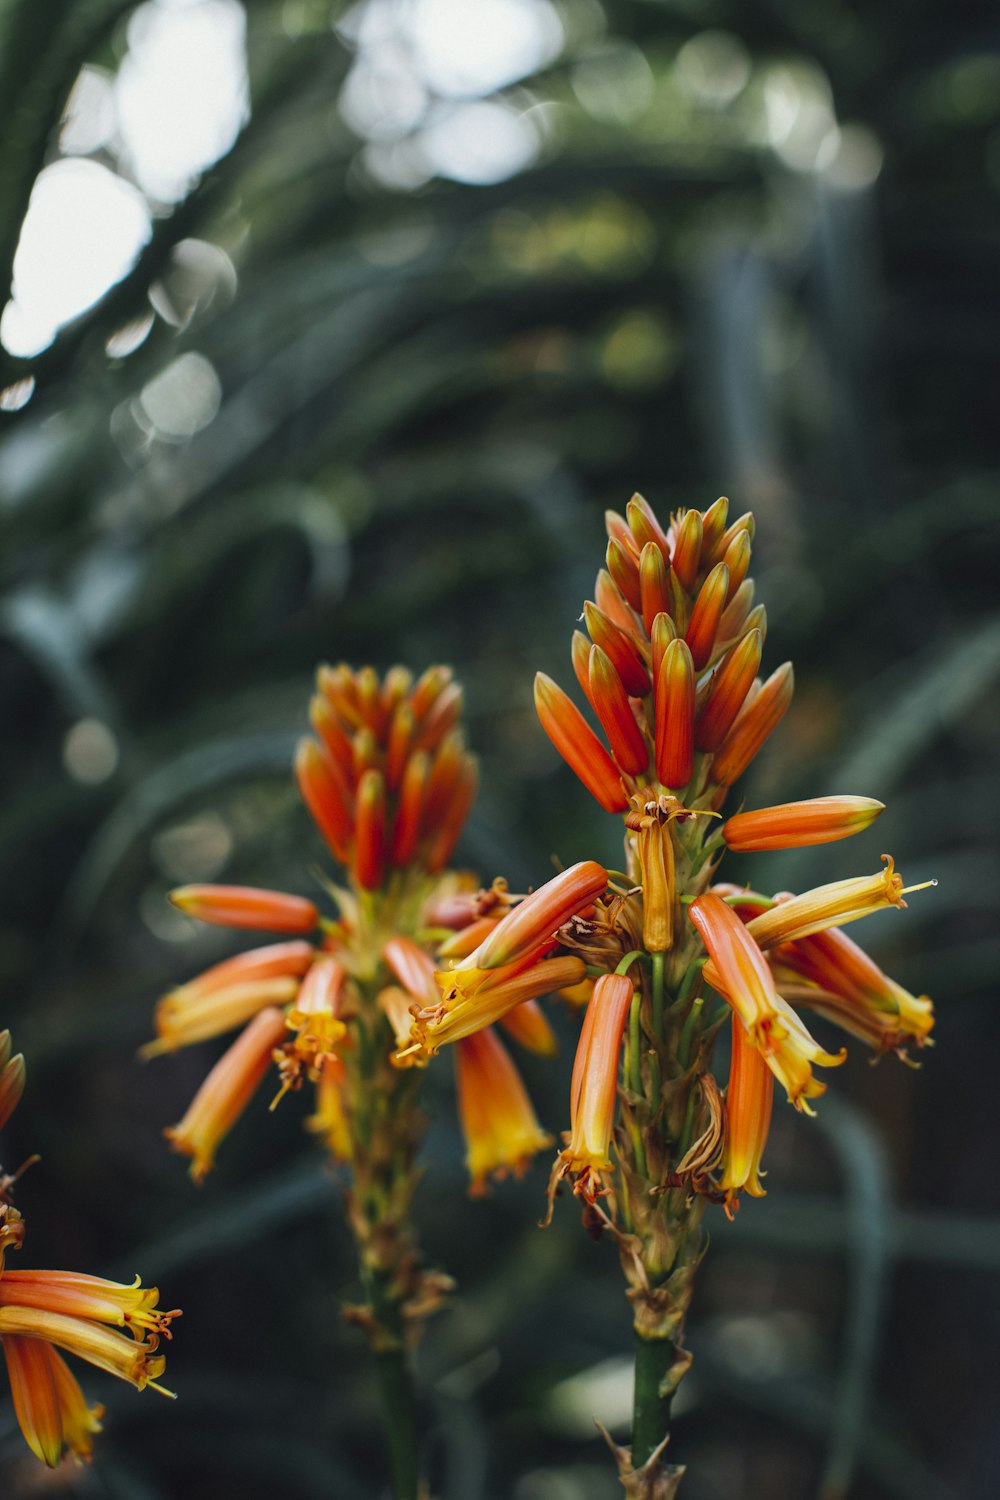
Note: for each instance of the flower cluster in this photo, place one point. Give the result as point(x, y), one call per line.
point(116, 1328)
point(389, 784)
point(669, 667)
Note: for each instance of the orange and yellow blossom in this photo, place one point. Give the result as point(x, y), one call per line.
point(227, 1091)
point(134, 1360)
point(832, 905)
point(80, 1296)
point(749, 1098)
point(594, 1088)
point(483, 998)
point(852, 990)
point(741, 974)
point(534, 922)
point(498, 1122)
point(51, 1409)
point(246, 906)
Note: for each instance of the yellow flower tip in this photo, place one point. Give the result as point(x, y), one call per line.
point(674, 715)
point(246, 906)
point(792, 825)
point(12, 1076)
point(498, 1122)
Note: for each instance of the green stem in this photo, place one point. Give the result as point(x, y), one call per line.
point(650, 1410)
point(395, 1388)
point(658, 996)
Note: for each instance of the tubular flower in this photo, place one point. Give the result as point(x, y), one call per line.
point(828, 906)
point(134, 1360)
point(819, 821)
point(746, 982)
point(227, 1091)
point(228, 995)
point(749, 1098)
point(848, 987)
point(533, 923)
point(498, 1122)
point(594, 1087)
point(486, 998)
point(78, 1296)
point(243, 906)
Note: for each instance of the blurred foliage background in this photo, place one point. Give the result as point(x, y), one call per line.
point(333, 331)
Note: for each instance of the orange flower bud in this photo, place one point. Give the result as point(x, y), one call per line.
point(622, 567)
point(619, 531)
point(663, 632)
point(11, 1084)
point(645, 526)
point(406, 829)
point(713, 526)
point(401, 732)
point(578, 745)
point(413, 968)
point(611, 603)
point(326, 793)
point(746, 523)
point(675, 716)
point(427, 688)
point(246, 906)
point(734, 616)
point(395, 686)
point(369, 831)
point(821, 820)
point(442, 715)
point(687, 549)
point(704, 623)
point(443, 837)
point(654, 585)
point(498, 1122)
point(581, 649)
point(749, 1098)
point(533, 922)
point(529, 1026)
point(737, 560)
point(226, 1092)
point(612, 706)
point(445, 775)
point(337, 686)
point(620, 648)
point(365, 750)
point(728, 690)
point(594, 1089)
point(335, 740)
point(757, 719)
